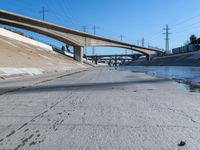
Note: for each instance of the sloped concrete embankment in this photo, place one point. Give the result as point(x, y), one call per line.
point(23, 56)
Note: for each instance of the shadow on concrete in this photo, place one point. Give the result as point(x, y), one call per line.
point(80, 87)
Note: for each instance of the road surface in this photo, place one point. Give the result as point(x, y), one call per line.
point(98, 109)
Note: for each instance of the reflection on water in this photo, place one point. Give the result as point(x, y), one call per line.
point(188, 77)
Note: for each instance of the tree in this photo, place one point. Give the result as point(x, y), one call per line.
point(193, 39)
point(198, 41)
point(187, 43)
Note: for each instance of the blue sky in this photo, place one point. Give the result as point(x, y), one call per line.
point(133, 19)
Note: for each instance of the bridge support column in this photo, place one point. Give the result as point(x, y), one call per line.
point(78, 53)
point(96, 60)
point(115, 61)
point(148, 58)
point(109, 63)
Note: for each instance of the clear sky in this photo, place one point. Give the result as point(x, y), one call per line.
point(133, 19)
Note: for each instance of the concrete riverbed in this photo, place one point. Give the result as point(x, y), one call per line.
point(101, 108)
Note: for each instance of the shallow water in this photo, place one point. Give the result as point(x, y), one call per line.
point(188, 77)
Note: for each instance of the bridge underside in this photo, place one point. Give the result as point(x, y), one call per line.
point(71, 37)
point(114, 58)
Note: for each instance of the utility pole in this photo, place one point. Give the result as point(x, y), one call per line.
point(43, 13)
point(84, 30)
point(95, 30)
point(166, 29)
point(143, 42)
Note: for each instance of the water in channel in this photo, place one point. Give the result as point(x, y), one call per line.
point(188, 77)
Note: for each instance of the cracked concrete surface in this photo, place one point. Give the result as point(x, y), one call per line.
point(99, 109)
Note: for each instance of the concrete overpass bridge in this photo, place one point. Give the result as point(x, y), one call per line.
point(114, 59)
point(75, 38)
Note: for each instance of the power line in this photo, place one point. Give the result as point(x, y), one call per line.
point(186, 20)
point(59, 11)
point(178, 24)
point(67, 6)
point(22, 4)
point(191, 26)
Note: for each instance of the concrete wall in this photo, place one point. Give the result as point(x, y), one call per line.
point(12, 35)
point(10, 71)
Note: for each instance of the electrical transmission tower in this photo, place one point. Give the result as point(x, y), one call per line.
point(166, 29)
point(95, 31)
point(143, 42)
point(43, 13)
point(121, 37)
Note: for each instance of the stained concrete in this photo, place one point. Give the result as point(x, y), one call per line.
point(98, 109)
